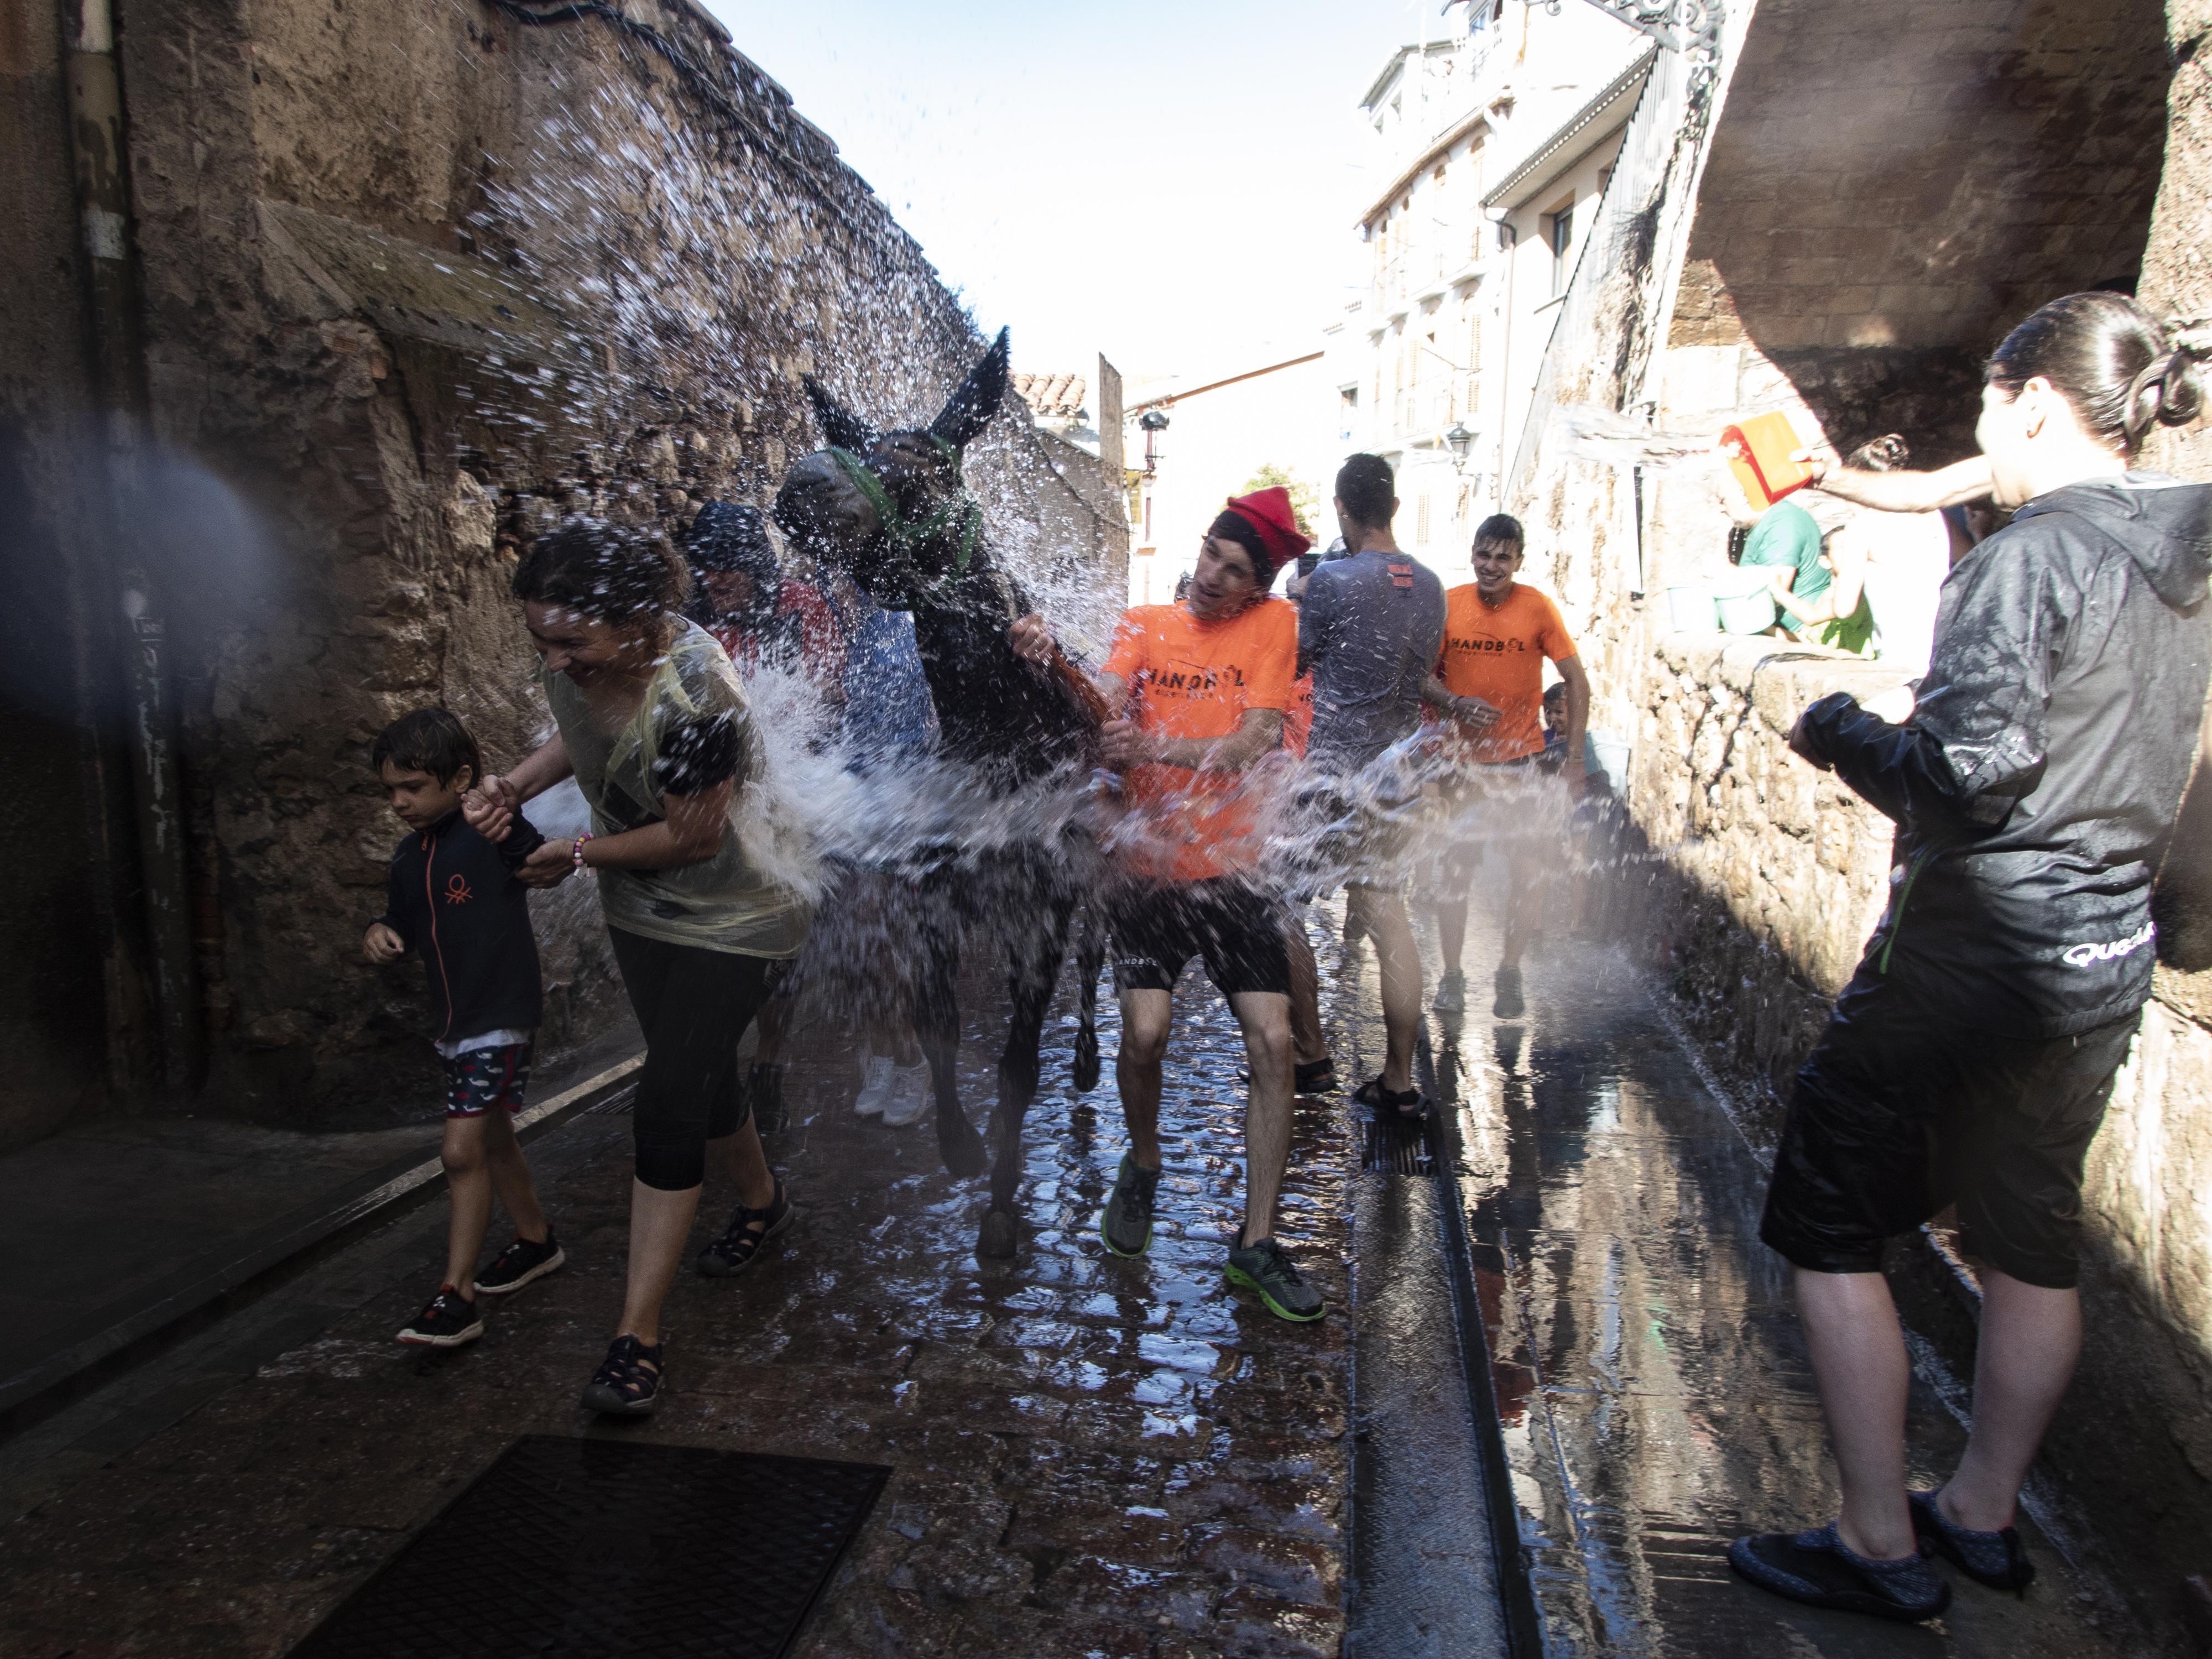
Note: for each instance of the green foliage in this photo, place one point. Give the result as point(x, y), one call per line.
point(1305, 500)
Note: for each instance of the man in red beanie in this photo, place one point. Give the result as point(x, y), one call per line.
point(1206, 682)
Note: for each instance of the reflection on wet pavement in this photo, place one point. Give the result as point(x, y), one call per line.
point(1095, 1456)
point(1653, 1388)
point(1092, 1455)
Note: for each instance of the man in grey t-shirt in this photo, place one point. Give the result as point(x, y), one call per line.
point(1369, 628)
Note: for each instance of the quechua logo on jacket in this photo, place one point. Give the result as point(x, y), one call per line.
point(2080, 956)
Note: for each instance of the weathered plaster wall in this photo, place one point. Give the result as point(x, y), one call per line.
point(418, 280)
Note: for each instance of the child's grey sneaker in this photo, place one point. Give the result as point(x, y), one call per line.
point(520, 1263)
point(1127, 1226)
point(1995, 1558)
point(1452, 992)
point(1266, 1266)
point(450, 1320)
point(1819, 1569)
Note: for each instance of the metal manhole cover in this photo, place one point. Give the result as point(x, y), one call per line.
point(605, 1549)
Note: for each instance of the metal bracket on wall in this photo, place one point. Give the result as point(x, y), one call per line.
point(1692, 28)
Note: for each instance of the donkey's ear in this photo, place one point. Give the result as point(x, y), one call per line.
point(970, 409)
point(842, 428)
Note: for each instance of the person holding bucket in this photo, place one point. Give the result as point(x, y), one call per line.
point(1968, 1060)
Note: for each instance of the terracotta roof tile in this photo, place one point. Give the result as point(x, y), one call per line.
point(1054, 396)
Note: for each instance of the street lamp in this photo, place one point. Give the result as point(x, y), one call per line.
point(1461, 441)
point(1152, 423)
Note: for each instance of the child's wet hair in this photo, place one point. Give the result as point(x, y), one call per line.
point(431, 740)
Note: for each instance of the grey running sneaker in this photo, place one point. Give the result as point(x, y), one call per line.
point(1509, 1005)
point(1127, 1226)
point(449, 1321)
point(520, 1264)
point(1267, 1268)
point(1452, 992)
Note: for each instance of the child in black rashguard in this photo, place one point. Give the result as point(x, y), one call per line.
point(455, 899)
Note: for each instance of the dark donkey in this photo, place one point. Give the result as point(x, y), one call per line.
point(890, 508)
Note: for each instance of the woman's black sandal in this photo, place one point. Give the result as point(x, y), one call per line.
point(627, 1381)
point(1410, 1107)
point(749, 1231)
point(1995, 1558)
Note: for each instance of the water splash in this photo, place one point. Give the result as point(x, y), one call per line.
point(1609, 438)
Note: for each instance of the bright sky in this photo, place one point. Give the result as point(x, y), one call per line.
point(1172, 184)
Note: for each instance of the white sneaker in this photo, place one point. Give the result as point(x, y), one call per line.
point(910, 1094)
point(876, 1072)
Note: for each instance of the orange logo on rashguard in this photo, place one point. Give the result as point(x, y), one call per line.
point(457, 890)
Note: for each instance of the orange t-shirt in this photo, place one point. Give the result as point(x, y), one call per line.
point(1497, 655)
point(1194, 678)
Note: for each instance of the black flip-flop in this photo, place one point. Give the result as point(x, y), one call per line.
point(1408, 1106)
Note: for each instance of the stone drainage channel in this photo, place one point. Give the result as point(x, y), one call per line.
point(1557, 1374)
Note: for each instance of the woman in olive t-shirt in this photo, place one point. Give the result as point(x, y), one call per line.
point(653, 726)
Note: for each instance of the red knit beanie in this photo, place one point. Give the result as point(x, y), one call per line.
point(1267, 513)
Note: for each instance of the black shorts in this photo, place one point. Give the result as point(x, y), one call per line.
point(1900, 1112)
point(1236, 929)
point(487, 1079)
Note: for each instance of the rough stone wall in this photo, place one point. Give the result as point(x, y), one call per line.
point(62, 967)
point(418, 280)
point(1780, 872)
point(1946, 168)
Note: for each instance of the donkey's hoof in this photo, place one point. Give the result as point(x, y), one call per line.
point(997, 1239)
point(1086, 1060)
point(966, 1157)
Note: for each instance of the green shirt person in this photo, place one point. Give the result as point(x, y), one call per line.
point(1788, 538)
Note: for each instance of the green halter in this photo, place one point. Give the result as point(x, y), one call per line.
point(911, 536)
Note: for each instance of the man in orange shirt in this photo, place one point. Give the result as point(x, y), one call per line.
point(1206, 682)
point(1489, 682)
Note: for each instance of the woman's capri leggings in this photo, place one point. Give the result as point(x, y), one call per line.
point(693, 1005)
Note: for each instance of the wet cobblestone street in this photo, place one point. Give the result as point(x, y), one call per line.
point(1092, 1455)
point(1652, 1382)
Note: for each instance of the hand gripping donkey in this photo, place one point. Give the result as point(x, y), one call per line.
point(890, 508)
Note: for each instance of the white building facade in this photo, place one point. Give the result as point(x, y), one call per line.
point(1490, 150)
point(1220, 430)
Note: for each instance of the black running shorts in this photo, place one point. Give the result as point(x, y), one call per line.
point(1236, 929)
point(1899, 1113)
